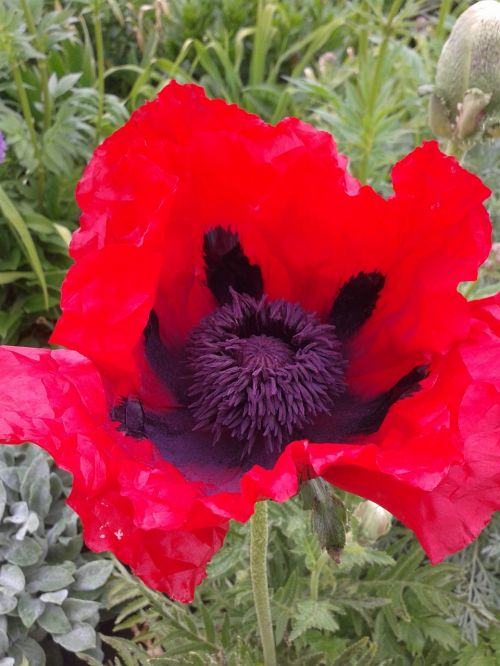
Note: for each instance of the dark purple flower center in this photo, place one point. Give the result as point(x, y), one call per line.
point(256, 374)
point(260, 370)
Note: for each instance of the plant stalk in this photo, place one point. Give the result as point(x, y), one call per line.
point(99, 45)
point(375, 88)
point(258, 569)
point(42, 66)
point(30, 123)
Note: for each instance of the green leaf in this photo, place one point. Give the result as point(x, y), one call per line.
point(7, 603)
point(7, 277)
point(50, 578)
point(35, 486)
point(54, 597)
point(360, 653)
point(16, 221)
point(312, 615)
point(82, 637)
point(93, 575)
point(29, 609)
point(24, 553)
point(26, 649)
point(78, 610)
point(12, 580)
point(54, 620)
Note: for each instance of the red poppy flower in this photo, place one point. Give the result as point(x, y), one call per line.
point(243, 315)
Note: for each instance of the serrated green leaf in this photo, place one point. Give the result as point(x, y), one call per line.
point(360, 653)
point(312, 615)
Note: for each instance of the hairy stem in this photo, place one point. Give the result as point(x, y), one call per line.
point(258, 568)
point(315, 575)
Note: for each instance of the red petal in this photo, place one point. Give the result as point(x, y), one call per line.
point(435, 234)
point(184, 164)
point(435, 463)
point(130, 501)
point(107, 297)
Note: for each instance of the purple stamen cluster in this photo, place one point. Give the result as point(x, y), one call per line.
point(261, 370)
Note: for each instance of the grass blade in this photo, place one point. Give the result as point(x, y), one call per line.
point(19, 226)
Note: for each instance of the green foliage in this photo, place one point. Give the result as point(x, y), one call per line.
point(50, 106)
point(70, 73)
point(376, 607)
point(49, 589)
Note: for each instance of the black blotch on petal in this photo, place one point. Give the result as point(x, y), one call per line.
point(130, 414)
point(355, 416)
point(355, 302)
point(404, 388)
point(168, 364)
point(227, 267)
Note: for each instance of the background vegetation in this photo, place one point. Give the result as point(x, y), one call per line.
point(72, 71)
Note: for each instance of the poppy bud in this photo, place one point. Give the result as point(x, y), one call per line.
point(328, 517)
point(374, 521)
point(465, 102)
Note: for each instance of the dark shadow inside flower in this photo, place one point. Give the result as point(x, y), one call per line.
point(256, 374)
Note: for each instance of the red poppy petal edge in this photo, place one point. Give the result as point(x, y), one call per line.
point(56, 399)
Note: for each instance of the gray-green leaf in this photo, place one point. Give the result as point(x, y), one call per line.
point(80, 609)
point(12, 579)
point(24, 553)
point(54, 620)
point(29, 609)
point(50, 578)
point(82, 637)
point(92, 575)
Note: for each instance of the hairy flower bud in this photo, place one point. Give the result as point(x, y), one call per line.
point(466, 98)
point(328, 516)
point(374, 520)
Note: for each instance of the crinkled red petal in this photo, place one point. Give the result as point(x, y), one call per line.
point(435, 463)
point(433, 233)
point(56, 399)
point(184, 164)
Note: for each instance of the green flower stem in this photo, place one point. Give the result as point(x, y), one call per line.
point(258, 568)
point(444, 10)
point(375, 88)
point(28, 118)
point(25, 106)
point(99, 45)
point(42, 66)
point(316, 573)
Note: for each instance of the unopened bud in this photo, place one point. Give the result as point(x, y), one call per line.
point(374, 520)
point(328, 516)
point(465, 102)
point(327, 64)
